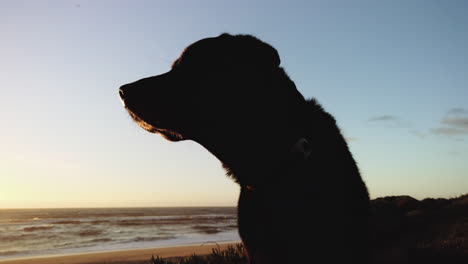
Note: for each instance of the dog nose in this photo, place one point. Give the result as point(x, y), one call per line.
point(121, 92)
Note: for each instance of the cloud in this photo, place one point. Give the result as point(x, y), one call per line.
point(390, 121)
point(460, 122)
point(418, 134)
point(457, 110)
point(448, 131)
point(454, 123)
point(383, 118)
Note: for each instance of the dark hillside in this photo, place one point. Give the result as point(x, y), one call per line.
point(406, 230)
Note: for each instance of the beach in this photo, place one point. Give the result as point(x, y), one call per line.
point(35, 233)
point(122, 256)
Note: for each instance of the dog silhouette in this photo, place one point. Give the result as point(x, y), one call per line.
point(302, 199)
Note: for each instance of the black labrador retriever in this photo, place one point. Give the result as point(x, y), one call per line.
point(302, 198)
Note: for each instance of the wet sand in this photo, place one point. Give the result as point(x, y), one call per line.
point(123, 256)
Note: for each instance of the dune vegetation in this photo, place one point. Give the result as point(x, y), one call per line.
point(404, 230)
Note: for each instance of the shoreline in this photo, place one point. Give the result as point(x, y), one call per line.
point(118, 256)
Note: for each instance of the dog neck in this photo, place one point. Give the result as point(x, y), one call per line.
point(258, 161)
point(299, 153)
point(261, 155)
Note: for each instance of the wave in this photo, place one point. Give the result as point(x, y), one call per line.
point(173, 220)
point(70, 222)
point(102, 240)
point(14, 237)
point(37, 228)
point(90, 232)
point(142, 239)
point(207, 229)
point(9, 253)
point(98, 221)
point(137, 222)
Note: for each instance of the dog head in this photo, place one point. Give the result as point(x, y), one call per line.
point(226, 84)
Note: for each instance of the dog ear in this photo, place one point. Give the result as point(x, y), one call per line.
point(271, 55)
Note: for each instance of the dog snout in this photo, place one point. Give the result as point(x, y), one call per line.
point(122, 94)
point(123, 91)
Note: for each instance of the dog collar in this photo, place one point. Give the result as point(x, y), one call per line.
point(302, 148)
point(300, 151)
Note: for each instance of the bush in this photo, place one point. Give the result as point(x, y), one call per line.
point(232, 255)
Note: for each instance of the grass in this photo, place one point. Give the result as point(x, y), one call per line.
point(232, 255)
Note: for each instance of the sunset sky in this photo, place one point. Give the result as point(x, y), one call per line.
point(393, 73)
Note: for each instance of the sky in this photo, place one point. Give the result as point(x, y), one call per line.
point(394, 74)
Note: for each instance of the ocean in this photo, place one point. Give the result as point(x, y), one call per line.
point(38, 232)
